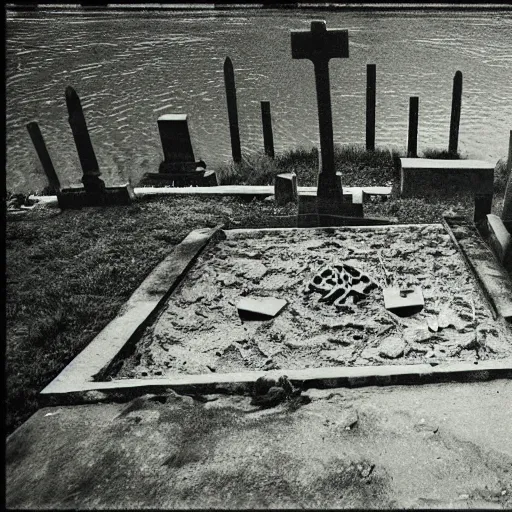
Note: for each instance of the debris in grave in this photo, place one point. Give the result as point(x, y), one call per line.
point(260, 308)
point(388, 277)
point(403, 302)
point(392, 347)
point(419, 334)
point(339, 281)
point(17, 201)
point(447, 318)
point(268, 392)
point(433, 324)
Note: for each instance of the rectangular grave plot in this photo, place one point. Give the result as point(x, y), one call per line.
point(199, 330)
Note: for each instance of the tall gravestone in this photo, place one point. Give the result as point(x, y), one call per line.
point(91, 172)
point(320, 45)
point(94, 192)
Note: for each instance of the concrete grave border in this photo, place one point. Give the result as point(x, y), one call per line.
point(79, 379)
point(359, 194)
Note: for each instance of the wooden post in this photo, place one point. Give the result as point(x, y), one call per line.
point(44, 156)
point(90, 168)
point(455, 117)
point(229, 80)
point(371, 79)
point(412, 140)
point(506, 216)
point(268, 137)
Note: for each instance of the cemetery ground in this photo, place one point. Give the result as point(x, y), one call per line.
point(69, 272)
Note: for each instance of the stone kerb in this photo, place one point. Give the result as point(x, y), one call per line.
point(420, 176)
point(499, 239)
point(286, 188)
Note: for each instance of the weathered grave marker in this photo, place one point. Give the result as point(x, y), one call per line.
point(268, 137)
point(371, 80)
point(455, 117)
point(320, 45)
point(91, 179)
point(229, 79)
point(412, 139)
point(176, 144)
point(286, 188)
point(179, 167)
point(94, 192)
point(507, 204)
point(44, 156)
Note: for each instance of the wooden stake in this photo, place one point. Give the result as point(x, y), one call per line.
point(44, 156)
point(268, 136)
point(455, 117)
point(371, 79)
point(229, 80)
point(412, 140)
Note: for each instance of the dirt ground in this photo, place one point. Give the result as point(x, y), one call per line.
point(395, 447)
point(200, 331)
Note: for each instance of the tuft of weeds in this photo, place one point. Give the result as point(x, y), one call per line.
point(441, 154)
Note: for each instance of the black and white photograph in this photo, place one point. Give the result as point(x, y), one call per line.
point(258, 255)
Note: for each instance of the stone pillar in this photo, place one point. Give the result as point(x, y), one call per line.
point(455, 117)
point(412, 139)
point(285, 188)
point(371, 79)
point(229, 80)
point(268, 136)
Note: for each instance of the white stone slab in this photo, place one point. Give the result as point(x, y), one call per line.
point(173, 117)
point(268, 306)
point(432, 163)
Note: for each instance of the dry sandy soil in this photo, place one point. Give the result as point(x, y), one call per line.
point(200, 331)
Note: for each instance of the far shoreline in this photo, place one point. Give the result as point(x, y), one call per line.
point(218, 7)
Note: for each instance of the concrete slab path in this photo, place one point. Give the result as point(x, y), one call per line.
point(431, 446)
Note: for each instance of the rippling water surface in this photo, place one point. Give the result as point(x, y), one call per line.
point(130, 67)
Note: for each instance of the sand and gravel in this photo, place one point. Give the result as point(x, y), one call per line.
point(199, 329)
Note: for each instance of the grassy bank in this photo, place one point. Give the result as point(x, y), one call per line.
point(69, 272)
point(358, 167)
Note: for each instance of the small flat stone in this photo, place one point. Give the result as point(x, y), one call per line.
point(347, 419)
point(392, 347)
point(267, 306)
point(466, 340)
point(496, 346)
point(417, 335)
point(250, 269)
point(447, 318)
point(226, 279)
point(433, 324)
point(396, 299)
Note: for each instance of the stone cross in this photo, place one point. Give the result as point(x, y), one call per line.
point(91, 172)
point(319, 45)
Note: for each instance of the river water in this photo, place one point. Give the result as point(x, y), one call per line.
point(131, 67)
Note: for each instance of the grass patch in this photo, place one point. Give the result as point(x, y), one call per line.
point(69, 273)
point(441, 154)
point(358, 167)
